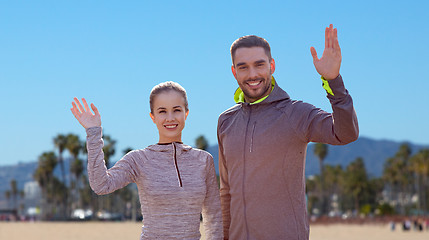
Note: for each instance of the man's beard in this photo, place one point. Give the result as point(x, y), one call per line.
point(255, 96)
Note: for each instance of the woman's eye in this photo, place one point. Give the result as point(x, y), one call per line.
point(177, 110)
point(162, 111)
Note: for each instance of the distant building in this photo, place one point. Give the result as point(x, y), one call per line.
point(32, 194)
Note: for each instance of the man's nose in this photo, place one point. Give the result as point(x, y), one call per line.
point(252, 73)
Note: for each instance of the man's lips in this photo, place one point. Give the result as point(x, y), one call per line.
point(254, 83)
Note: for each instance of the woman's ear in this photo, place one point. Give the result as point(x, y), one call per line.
point(152, 116)
point(186, 114)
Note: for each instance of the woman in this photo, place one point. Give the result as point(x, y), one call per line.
point(175, 181)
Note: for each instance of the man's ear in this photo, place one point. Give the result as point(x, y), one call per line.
point(272, 66)
point(233, 71)
point(152, 116)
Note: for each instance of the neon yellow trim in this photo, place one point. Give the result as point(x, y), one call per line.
point(326, 86)
point(239, 95)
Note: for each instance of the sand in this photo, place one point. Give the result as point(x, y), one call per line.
point(128, 230)
point(363, 232)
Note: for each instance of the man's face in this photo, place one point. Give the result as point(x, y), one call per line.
point(252, 69)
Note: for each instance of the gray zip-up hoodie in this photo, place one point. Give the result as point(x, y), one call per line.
point(175, 183)
point(262, 149)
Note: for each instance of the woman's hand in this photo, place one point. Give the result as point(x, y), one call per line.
point(84, 115)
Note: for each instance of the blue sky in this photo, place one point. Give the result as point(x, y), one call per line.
point(113, 53)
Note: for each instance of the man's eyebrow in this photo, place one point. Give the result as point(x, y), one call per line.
point(256, 62)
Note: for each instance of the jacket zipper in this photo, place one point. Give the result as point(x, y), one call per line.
point(251, 137)
point(244, 172)
point(177, 167)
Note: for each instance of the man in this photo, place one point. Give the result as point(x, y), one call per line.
point(263, 141)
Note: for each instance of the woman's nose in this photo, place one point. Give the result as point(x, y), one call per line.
point(170, 116)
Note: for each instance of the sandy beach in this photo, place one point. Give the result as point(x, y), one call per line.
point(128, 230)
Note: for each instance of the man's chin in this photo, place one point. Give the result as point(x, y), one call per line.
point(253, 95)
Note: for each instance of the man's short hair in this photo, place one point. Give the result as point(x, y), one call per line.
point(248, 42)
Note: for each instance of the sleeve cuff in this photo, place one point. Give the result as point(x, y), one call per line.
point(325, 85)
point(335, 87)
point(93, 131)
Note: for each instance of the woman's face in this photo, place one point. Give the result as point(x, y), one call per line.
point(169, 115)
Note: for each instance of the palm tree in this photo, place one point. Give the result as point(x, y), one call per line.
point(397, 173)
point(356, 181)
point(60, 142)
point(77, 170)
point(420, 166)
point(74, 146)
point(44, 176)
point(201, 142)
point(321, 151)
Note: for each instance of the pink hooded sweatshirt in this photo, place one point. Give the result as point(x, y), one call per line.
point(175, 183)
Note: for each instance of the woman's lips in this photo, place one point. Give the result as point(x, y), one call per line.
point(171, 126)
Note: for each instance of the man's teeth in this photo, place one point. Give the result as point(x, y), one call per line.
point(254, 83)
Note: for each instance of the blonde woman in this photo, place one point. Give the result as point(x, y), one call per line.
point(175, 181)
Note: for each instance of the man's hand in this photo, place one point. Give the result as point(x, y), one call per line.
point(329, 64)
point(84, 115)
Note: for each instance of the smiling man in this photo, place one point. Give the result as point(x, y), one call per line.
point(263, 141)
point(253, 70)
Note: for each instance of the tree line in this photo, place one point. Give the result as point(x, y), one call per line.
point(403, 188)
point(70, 191)
point(62, 195)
